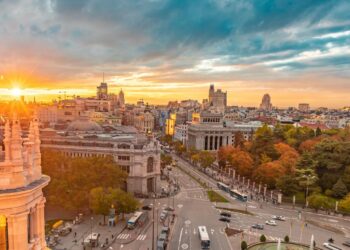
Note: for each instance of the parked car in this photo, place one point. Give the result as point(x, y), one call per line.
point(279, 217)
point(271, 223)
point(169, 209)
point(165, 230)
point(226, 214)
point(224, 219)
point(67, 229)
point(258, 226)
point(147, 207)
point(163, 215)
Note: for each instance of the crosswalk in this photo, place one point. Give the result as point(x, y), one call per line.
point(127, 236)
point(123, 236)
point(141, 237)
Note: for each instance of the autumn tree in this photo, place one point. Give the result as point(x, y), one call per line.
point(206, 159)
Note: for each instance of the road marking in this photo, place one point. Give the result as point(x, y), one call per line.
point(180, 205)
point(194, 231)
point(123, 236)
point(178, 248)
point(141, 237)
point(184, 246)
point(212, 231)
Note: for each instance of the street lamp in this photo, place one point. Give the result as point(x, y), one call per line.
point(307, 187)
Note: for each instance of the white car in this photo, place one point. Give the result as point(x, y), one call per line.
point(271, 222)
point(279, 217)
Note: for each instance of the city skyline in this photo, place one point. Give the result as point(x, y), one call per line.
point(162, 50)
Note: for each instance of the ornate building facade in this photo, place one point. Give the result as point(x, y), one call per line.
point(217, 98)
point(266, 103)
point(22, 224)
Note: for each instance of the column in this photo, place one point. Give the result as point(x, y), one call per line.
point(18, 231)
point(40, 223)
point(3, 244)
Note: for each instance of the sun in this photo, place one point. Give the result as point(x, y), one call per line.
point(16, 92)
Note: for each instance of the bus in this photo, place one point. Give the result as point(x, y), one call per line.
point(136, 219)
point(204, 237)
point(238, 195)
point(223, 187)
point(331, 246)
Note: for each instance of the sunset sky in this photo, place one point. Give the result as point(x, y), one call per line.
point(161, 50)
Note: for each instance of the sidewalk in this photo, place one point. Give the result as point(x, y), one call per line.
point(85, 228)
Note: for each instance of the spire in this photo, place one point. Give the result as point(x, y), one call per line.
point(16, 140)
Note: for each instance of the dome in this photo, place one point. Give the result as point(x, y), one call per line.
point(84, 125)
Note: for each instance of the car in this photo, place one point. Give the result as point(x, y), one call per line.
point(163, 215)
point(279, 217)
point(165, 230)
point(258, 226)
point(147, 207)
point(171, 209)
point(347, 243)
point(271, 222)
point(226, 214)
point(224, 219)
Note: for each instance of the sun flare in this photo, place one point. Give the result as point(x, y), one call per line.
point(16, 92)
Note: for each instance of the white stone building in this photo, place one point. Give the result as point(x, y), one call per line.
point(22, 224)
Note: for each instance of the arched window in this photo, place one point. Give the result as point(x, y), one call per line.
point(150, 163)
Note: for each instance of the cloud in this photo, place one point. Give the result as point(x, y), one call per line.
point(64, 43)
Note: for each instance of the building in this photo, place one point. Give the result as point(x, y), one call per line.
point(304, 107)
point(266, 103)
point(144, 122)
point(102, 91)
point(170, 125)
point(180, 133)
point(134, 152)
point(121, 99)
point(22, 223)
point(217, 98)
point(212, 132)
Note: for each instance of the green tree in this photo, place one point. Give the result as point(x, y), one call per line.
point(288, 184)
point(262, 238)
point(286, 238)
point(319, 201)
point(165, 160)
point(339, 189)
point(206, 159)
point(73, 178)
point(100, 202)
point(318, 132)
point(124, 202)
point(263, 144)
point(344, 204)
point(244, 245)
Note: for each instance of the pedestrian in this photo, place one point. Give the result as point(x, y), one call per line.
point(75, 234)
point(112, 236)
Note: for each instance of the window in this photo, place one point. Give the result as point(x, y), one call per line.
point(150, 163)
point(123, 158)
point(126, 169)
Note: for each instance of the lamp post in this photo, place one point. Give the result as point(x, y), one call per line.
point(307, 187)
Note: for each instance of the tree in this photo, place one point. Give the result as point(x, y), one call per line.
point(339, 189)
point(124, 202)
point(318, 131)
point(263, 144)
point(206, 159)
point(288, 157)
point(100, 202)
point(319, 201)
point(239, 139)
point(224, 155)
point(179, 147)
point(344, 204)
point(286, 238)
point(288, 184)
point(244, 245)
point(241, 161)
point(262, 238)
point(269, 173)
point(165, 160)
point(73, 178)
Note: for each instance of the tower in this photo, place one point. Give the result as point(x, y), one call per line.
point(22, 224)
point(121, 100)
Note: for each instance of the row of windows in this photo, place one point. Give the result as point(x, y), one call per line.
point(211, 119)
point(123, 158)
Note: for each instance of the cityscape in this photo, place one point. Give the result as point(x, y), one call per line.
point(174, 125)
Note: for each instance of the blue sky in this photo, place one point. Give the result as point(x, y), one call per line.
point(297, 50)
